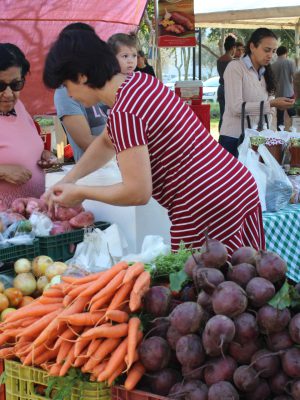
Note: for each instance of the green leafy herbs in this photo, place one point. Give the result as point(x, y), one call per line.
point(60, 388)
point(287, 296)
point(170, 263)
point(178, 280)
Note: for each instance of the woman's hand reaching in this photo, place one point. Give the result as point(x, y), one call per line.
point(282, 103)
point(15, 174)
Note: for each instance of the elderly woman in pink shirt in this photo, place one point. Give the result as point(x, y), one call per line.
point(22, 154)
point(250, 80)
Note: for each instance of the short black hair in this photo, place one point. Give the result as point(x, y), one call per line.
point(79, 52)
point(230, 42)
point(12, 56)
point(281, 51)
point(78, 25)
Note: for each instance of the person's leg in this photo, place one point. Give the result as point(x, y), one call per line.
point(280, 118)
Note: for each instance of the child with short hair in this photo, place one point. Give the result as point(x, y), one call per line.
point(124, 47)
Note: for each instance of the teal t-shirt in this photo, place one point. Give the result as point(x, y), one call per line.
point(96, 116)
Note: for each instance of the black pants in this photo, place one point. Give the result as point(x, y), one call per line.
point(221, 101)
point(230, 144)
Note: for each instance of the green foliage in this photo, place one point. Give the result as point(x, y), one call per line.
point(178, 280)
point(287, 296)
point(170, 263)
point(144, 29)
point(62, 386)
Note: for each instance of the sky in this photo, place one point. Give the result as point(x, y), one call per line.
point(221, 5)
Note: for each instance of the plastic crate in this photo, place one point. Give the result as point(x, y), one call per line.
point(12, 253)
point(61, 247)
point(21, 383)
point(2, 387)
point(120, 393)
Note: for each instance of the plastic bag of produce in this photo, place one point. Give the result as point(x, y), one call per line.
point(279, 189)
point(99, 249)
point(250, 159)
point(153, 246)
point(41, 224)
point(295, 181)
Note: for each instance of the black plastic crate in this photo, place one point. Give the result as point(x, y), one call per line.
point(12, 253)
point(62, 247)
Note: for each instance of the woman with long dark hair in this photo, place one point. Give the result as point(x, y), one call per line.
point(250, 80)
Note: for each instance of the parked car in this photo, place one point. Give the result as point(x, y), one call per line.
point(210, 89)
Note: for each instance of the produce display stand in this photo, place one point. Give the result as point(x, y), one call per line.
point(12, 253)
point(2, 387)
point(21, 384)
point(119, 393)
point(61, 247)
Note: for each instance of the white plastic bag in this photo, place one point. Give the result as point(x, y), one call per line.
point(279, 189)
point(153, 246)
point(99, 249)
point(41, 224)
point(250, 159)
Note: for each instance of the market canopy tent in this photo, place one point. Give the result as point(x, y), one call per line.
point(275, 14)
point(34, 25)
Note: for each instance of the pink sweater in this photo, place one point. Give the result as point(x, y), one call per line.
point(242, 84)
point(20, 144)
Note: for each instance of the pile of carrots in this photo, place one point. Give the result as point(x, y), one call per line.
point(82, 322)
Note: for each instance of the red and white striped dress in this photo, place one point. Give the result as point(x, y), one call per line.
point(194, 178)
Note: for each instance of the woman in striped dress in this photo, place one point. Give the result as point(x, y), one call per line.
point(163, 150)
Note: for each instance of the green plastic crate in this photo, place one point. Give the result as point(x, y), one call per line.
point(61, 247)
point(21, 383)
point(14, 252)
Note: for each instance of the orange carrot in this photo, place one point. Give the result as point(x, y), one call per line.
point(38, 326)
point(101, 303)
point(135, 358)
point(104, 279)
point(4, 338)
point(84, 279)
point(83, 319)
point(67, 335)
point(68, 362)
point(93, 346)
point(135, 301)
point(105, 349)
point(134, 375)
point(120, 296)
point(80, 361)
point(142, 283)
point(50, 300)
point(54, 370)
point(106, 331)
point(116, 316)
point(77, 290)
point(7, 353)
point(110, 287)
point(46, 355)
point(118, 371)
point(32, 311)
point(52, 292)
point(63, 351)
point(115, 360)
point(133, 271)
point(134, 325)
point(77, 307)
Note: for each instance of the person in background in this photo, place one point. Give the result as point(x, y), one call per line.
point(22, 154)
point(162, 149)
point(125, 49)
point(239, 50)
point(250, 80)
point(222, 62)
point(142, 64)
point(283, 70)
point(81, 124)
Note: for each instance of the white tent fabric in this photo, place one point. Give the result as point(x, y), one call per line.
point(274, 14)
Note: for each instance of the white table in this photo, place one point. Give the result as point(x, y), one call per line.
point(135, 222)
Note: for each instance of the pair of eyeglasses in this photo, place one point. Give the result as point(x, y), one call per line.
point(15, 86)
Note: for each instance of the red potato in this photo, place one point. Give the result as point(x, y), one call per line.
point(34, 204)
point(60, 227)
point(19, 205)
point(184, 19)
point(82, 220)
point(67, 213)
